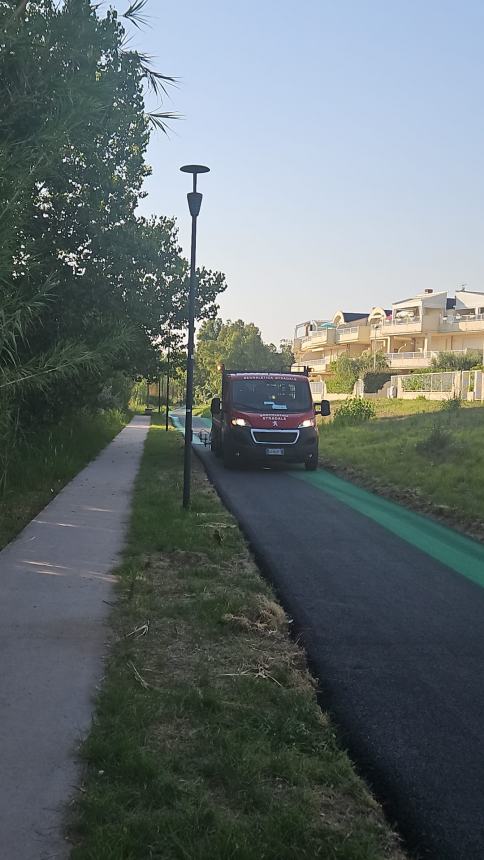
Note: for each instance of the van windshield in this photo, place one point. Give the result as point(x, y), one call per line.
point(271, 395)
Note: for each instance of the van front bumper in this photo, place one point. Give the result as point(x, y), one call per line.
point(242, 445)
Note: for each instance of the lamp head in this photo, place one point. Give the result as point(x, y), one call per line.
point(194, 168)
point(194, 199)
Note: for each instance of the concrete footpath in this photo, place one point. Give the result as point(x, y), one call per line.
point(55, 588)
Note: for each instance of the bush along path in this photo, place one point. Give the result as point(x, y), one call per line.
point(208, 741)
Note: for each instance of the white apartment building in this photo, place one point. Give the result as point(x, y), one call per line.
point(409, 334)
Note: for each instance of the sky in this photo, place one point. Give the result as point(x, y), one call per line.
point(345, 140)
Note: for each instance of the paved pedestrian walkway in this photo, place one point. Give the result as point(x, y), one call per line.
point(56, 583)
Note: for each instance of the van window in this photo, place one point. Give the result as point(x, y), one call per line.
point(271, 395)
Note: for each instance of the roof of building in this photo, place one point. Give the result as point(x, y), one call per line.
point(423, 296)
point(471, 292)
point(351, 317)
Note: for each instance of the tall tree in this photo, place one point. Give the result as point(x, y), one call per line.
point(78, 268)
point(238, 346)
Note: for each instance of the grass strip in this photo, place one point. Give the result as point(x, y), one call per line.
point(208, 742)
point(202, 411)
point(46, 460)
point(431, 462)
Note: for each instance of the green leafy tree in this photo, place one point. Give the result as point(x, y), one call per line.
point(345, 371)
point(88, 290)
point(238, 346)
point(457, 361)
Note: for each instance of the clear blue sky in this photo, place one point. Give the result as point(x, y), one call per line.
point(346, 143)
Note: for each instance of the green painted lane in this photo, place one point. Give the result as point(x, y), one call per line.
point(200, 425)
point(456, 551)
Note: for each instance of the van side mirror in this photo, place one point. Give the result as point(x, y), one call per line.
point(324, 408)
point(215, 407)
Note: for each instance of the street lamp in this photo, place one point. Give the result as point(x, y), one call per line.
point(167, 386)
point(194, 203)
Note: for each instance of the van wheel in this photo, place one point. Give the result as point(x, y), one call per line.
point(311, 465)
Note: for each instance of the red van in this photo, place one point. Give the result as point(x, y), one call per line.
point(266, 418)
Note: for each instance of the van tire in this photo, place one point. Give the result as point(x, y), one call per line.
point(311, 465)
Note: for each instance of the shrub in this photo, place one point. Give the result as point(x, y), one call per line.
point(116, 392)
point(353, 411)
point(346, 370)
point(420, 381)
point(452, 405)
point(343, 376)
point(456, 361)
point(437, 443)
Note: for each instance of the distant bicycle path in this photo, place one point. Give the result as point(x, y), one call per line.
point(390, 606)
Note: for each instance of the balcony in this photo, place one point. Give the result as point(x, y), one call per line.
point(347, 334)
point(317, 339)
point(314, 365)
point(463, 322)
point(415, 360)
point(409, 360)
point(405, 325)
point(319, 364)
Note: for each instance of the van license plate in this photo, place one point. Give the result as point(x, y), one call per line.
point(274, 451)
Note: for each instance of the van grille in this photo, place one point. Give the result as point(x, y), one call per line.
point(275, 437)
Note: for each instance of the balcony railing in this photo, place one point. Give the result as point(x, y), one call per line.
point(402, 326)
point(462, 322)
point(350, 329)
point(347, 333)
point(409, 359)
point(318, 363)
point(315, 338)
point(390, 355)
point(398, 321)
point(416, 359)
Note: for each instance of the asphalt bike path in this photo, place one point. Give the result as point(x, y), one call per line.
point(390, 606)
point(56, 585)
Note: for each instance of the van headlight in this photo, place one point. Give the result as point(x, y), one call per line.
point(308, 422)
point(239, 422)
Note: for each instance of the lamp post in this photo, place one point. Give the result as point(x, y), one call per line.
point(167, 386)
point(194, 203)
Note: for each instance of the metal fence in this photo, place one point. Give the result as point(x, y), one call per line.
point(426, 383)
point(466, 384)
point(317, 390)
